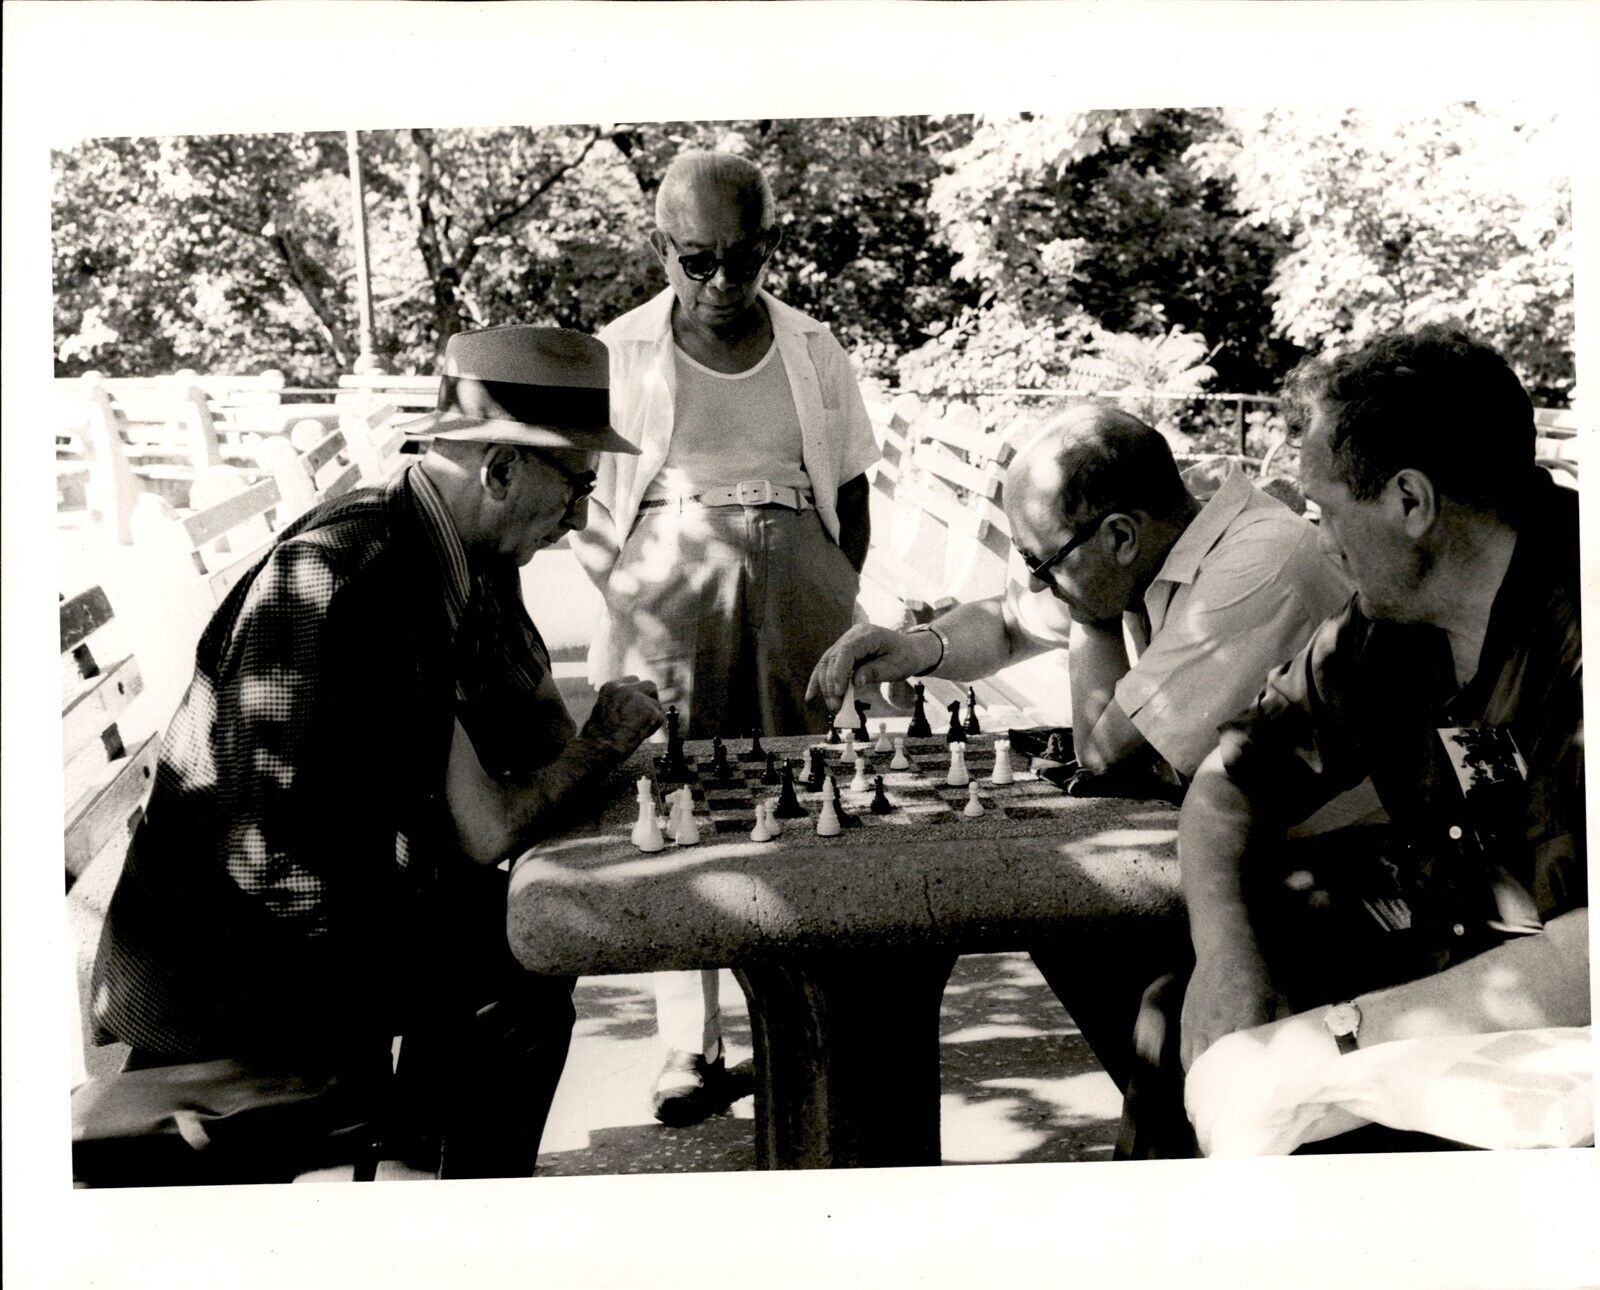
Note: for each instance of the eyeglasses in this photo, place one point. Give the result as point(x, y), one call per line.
point(581, 483)
point(1041, 569)
point(737, 265)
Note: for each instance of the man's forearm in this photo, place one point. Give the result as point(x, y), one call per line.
point(982, 639)
point(1214, 832)
point(1525, 984)
point(855, 521)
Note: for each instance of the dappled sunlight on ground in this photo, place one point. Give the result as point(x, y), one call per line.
point(1019, 1084)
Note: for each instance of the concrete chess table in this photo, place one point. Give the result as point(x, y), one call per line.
point(842, 944)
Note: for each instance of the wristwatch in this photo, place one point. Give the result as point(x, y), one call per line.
point(944, 645)
point(1343, 1021)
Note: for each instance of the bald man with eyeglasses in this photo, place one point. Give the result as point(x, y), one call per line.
point(729, 551)
point(1212, 596)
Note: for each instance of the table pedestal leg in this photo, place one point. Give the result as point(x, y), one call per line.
point(847, 1058)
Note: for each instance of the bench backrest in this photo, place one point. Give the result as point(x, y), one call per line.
point(108, 779)
point(1558, 443)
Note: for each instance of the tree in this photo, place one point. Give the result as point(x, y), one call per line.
point(1398, 217)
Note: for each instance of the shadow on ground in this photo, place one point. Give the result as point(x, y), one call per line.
point(1019, 1083)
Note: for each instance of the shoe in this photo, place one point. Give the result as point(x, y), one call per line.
point(686, 1088)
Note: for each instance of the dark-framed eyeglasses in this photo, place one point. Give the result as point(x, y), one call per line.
point(1041, 569)
point(740, 264)
point(580, 483)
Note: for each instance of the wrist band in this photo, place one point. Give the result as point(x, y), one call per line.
point(944, 645)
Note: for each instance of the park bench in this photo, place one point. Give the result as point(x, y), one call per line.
point(1558, 443)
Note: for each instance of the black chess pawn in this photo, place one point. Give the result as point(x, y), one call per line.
point(719, 758)
point(788, 807)
point(673, 765)
point(833, 734)
point(956, 734)
point(863, 735)
point(770, 774)
point(756, 751)
point(817, 770)
point(972, 726)
point(919, 727)
point(880, 804)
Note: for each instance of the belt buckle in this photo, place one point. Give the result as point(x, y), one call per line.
point(754, 492)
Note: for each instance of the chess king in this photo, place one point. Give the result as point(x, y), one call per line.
point(748, 498)
point(1213, 593)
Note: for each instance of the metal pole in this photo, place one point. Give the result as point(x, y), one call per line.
point(366, 361)
point(1244, 433)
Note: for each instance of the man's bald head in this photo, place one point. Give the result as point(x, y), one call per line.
point(700, 176)
point(1094, 459)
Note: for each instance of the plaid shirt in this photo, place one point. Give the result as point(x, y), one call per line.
point(280, 884)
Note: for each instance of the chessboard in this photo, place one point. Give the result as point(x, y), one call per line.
point(922, 801)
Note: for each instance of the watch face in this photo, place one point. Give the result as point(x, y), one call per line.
point(1343, 1019)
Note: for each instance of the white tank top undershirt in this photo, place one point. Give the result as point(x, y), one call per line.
point(728, 427)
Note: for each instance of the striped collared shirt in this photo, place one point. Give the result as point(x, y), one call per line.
point(446, 543)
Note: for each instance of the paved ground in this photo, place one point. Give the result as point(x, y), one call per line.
point(1020, 1084)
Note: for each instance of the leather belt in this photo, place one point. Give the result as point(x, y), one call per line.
point(747, 492)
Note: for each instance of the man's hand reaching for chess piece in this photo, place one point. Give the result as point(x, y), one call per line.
point(866, 655)
point(494, 819)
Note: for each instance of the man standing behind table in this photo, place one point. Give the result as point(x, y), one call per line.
point(1214, 594)
point(1454, 680)
point(728, 551)
point(316, 872)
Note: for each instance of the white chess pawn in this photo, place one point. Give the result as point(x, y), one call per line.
point(828, 825)
point(974, 807)
point(646, 833)
point(1002, 773)
point(883, 738)
point(774, 824)
point(901, 761)
point(687, 834)
point(849, 744)
point(761, 833)
point(858, 784)
point(957, 776)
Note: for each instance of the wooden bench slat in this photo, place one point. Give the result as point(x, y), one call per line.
point(113, 808)
point(210, 524)
point(342, 483)
point(322, 453)
point(951, 512)
point(985, 483)
point(82, 616)
point(98, 704)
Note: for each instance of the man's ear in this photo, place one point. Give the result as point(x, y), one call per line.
point(495, 471)
point(1414, 500)
point(775, 238)
point(1123, 533)
point(659, 243)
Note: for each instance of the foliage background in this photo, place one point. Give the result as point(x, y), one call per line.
point(1135, 249)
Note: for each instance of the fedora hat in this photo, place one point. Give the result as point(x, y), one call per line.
point(539, 387)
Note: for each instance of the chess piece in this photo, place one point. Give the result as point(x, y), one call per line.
point(974, 807)
point(880, 805)
point(1002, 773)
point(972, 727)
point(956, 734)
point(818, 768)
point(862, 708)
point(846, 819)
point(719, 759)
point(756, 751)
point(687, 834)
point(761, 833)
point(900, 761)
point(1054, 754)
point(849, 749)
point(919, 727)
point(957, 776)
point(774, 824)
point(828, 820)
point(882, 744)
point(770, 774)
point(788, 807)
point(646, 833)
point(673, 766)
point(833, 734)
point(859, 783)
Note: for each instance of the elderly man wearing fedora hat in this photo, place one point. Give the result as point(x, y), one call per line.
point(728, 551)
point(372, 726)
